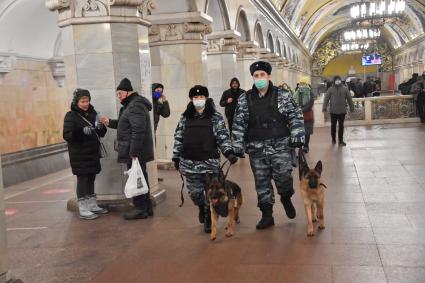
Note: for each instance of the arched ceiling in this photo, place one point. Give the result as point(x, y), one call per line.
point(28, 28)
point(315, 20)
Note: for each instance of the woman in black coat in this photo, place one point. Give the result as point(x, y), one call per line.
point(82, 132)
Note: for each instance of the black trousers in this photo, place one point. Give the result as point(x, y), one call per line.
point(141, 201)
point(307, 140)
point(85, 185)
point(340, 119)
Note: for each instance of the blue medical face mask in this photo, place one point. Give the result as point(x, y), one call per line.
point(157, 94)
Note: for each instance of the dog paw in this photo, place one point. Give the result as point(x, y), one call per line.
point(315, 219)
point(213, 238)
point(228, 235)
point(238, 221)
point(321, 227)
point(310, 234)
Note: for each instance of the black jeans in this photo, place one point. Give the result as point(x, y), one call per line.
point(141, 201)
point(340, 119)
point(85, 185)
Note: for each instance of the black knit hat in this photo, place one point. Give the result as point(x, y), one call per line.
point(260, 65)
point(125, 85)
point(198, 90)
point(80, 93)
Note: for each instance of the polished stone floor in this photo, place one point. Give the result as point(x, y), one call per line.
point(375, 225)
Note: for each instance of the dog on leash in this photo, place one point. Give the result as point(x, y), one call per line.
point(225, 199)
point(313, 193)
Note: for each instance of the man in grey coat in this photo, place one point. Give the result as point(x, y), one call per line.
point(338, 95)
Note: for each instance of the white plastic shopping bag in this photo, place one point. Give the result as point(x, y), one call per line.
point(136, 183)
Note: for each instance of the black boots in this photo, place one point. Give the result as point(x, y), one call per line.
point(207, 220)
point(136, 213)
point(288, 206)
point(267, 216)
point(201, 214)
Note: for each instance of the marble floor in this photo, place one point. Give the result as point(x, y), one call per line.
point(375, 211)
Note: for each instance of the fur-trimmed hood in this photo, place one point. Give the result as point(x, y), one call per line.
point(208, 111)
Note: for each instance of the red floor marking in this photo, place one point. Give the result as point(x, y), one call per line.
point(10, 211)
point(56, 191)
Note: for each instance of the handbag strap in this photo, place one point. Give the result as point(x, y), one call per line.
point(90, 124)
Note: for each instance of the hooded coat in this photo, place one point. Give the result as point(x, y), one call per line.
point(83, 150)
point(134, 131)
point(229, 108)
point(159, 108)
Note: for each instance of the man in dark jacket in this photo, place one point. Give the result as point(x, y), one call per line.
point(338, 96)
point(82, 132)
point(160, 104)
point(229, 100)
point(134, 137)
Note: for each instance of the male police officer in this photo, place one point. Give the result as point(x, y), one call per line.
point(266, 125)
point(201, 132)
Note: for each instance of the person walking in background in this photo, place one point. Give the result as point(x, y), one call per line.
point(229, 100)
point(161, 107)
point(134, 140)
point(287, 88)
point(338, 96)
point(305, 99)
point(81, 131)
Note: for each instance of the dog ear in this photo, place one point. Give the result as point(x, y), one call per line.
point(304, 169)
point(318, 167)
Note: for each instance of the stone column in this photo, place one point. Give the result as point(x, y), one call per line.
point(3, 241)
point(179, 61)
point(105, 41)
point(221, 57)
point(247, 54)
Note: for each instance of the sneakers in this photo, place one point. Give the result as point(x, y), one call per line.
point(136, 213)
point(93, 207)
point(84, 211)
point(333, 141)
point(267, 219)
point(341, 143)
point(289, 207)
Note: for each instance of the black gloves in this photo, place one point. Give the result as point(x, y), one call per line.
point(176, 163)
point(232, 158)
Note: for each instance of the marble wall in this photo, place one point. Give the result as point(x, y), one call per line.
point(32, 107)
point(3, 242)
point(178, 67)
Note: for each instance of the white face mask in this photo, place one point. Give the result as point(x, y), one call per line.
point(199, 103)
point(337, 82)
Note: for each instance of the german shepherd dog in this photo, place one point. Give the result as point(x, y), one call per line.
point(225, 199)
point(313, 193)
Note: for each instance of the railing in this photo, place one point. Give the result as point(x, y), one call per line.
point(374, 110)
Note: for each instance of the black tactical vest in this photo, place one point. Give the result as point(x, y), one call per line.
point(199, 142)
point(265, 120)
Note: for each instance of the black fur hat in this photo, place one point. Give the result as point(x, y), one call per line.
point(198, 90)
point(260, 65)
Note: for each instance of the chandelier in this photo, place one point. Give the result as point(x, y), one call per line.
point(364, 33)
point(378, 9)
point(354, 46)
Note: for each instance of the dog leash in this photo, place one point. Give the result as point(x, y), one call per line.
point(301, 162)
point(183, 183)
